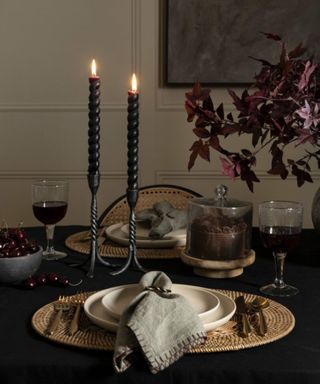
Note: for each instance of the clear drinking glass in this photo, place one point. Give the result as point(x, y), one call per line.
point(49, 204)
point(280, 224)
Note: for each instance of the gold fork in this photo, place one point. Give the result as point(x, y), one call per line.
point(59, 307)
point(74, 325)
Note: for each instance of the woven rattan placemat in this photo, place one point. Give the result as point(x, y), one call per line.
point(226, 338)
point(79, 242)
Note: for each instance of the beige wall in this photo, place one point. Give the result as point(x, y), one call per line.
point(46, 48)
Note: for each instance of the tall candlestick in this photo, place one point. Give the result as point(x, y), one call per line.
point(94, 157)
point(133, 189)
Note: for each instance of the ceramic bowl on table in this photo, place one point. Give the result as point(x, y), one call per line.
point(18, 268)
point(204, 302)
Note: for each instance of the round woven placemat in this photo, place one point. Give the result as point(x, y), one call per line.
point(80, 242)
point(226, 338)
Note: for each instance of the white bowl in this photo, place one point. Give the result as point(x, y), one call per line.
point(204, 302)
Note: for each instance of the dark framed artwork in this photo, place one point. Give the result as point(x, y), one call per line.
point(211, 40)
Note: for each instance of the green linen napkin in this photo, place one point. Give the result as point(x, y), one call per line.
point(159, 324)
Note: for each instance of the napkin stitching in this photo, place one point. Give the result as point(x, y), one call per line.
point(160, 362)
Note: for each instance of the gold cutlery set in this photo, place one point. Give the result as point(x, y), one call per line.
point(67, 304)
point(247, 310)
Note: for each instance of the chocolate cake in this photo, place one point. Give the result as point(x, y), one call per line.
point(217, 238)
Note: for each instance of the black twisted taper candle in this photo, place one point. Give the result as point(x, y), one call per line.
point(133, 189)
point(94, 157)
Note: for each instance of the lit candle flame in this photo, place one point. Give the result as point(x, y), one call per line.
point(134, 83)
point(93, 68)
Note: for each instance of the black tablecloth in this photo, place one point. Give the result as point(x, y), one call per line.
point(25, 357)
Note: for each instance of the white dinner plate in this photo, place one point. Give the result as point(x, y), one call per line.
point(115, 234)
point(98, 314)
point(204, 302)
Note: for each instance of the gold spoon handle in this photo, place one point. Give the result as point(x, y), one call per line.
point(55, 322)
point(263, 328)
point(75, 321)
point(246, 327)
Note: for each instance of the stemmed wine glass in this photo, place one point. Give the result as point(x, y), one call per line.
point(49, 204)
point(280, 224)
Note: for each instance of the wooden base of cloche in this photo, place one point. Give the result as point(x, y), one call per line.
point(219, 268)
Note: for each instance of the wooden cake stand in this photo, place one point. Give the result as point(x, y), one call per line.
point(218, 268)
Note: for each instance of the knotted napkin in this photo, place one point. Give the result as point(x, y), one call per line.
point(159, 324)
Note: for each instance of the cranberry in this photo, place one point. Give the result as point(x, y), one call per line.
point(15, 252)
point(41, 279)
point(52, 278)
point(6, 253)
point(20, 235)
point(33, 246)
point(30, 283)
point(63, 281)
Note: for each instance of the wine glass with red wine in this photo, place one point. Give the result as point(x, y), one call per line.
point(280, 224)
point(49, 204)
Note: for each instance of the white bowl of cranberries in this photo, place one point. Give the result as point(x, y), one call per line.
point(19, 256)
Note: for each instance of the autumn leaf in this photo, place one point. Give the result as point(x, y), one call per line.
point(204, 152)
point(305, 77)
point(201, 132)
point(297, 51)
point(214, 142)
point(272, 36)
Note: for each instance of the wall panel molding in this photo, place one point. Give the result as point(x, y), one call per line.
point(71, 175)
point(67, 107)
point(162, 176)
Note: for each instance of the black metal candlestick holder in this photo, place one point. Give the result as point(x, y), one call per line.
point(93, 181)
point(132, 190)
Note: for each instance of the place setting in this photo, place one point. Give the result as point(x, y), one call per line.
point(218, 311)
point(113, 231)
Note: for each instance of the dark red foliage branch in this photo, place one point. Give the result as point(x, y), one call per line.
point(281, 108)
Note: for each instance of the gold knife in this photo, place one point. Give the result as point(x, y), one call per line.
point(242, 311)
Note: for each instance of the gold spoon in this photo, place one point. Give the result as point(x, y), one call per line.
point(258, 304)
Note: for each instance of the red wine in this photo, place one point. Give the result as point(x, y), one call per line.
point(280, 239)
point(49, 212)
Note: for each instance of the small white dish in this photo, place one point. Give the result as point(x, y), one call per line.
point(98, 314)
point(204, 302)
point(117, 235)
point(142, 233)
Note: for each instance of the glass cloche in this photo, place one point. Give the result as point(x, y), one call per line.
point(219, 228)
